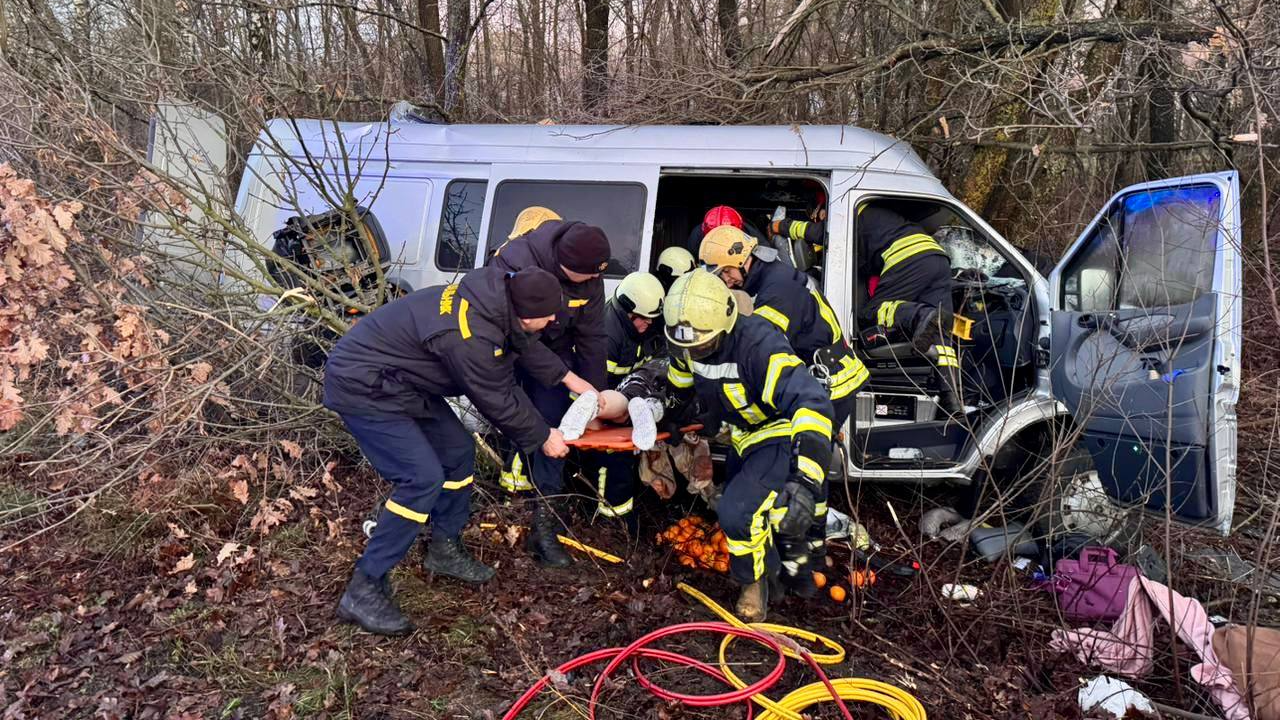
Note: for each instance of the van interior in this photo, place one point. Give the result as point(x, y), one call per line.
point(897, 418)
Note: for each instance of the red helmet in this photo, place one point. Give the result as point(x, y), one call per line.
point(720, 215)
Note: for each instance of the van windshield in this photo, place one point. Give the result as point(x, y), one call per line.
point(615, 207)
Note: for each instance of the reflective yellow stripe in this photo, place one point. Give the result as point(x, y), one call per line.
point(885, 313)
point(737, 394)
point(806, 420)
point(761, 532)
point(602, 505)
point(811, 468)
point(820, 509)
point(907, 247)
point(772, 316)
point(579, 302)
point(743, 439)
point(828, 314)
point(777, 363)
point(850, 378)
point(464, 325)
point(679, 378)
point(616, 369)
point(775, 517)
point(458, 484)
point(798, 229)
point(514, 479)
point(497, 352)
point(405, 512)
point(947, 356)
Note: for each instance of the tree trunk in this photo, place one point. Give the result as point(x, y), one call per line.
point(262, 25)
point(1161, 121)
point(989, 163)
point(455, 56)
point(730, 38)
point(432, 49)
point(595, 54)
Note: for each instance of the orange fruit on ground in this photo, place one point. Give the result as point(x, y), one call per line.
point(819, 579)
point(837, 593)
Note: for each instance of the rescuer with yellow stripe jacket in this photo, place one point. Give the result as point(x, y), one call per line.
point(388, 378)
point(745, 372)
point(913, 293)
point(782, 295)
point(569, 359)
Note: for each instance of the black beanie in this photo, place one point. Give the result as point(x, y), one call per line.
point(534, 292)
point(583, 249)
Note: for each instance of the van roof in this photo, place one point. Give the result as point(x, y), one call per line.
point(670, 146)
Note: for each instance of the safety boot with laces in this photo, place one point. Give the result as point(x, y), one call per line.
point(448, 556)
point(368, 603)
point(753, 602)
point(542, 541)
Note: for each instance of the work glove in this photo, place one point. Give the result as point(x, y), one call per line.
point(797, 497)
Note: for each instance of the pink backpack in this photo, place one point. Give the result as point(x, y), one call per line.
point(1093, 588)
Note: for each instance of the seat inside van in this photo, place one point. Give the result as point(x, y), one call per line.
point(895, 413)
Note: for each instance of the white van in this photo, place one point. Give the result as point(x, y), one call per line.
point(1132, 343)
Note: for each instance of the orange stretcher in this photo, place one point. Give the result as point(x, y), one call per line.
point(615, 438)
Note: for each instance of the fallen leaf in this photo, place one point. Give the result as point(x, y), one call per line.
point(177, 531)
point(513, 535)
point(292, 449)
point(129, 658)
point(240, 491)
point(184, 564)
point(228, 549)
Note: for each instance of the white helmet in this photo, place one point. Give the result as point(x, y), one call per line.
point(672, 263)
point(640, 293)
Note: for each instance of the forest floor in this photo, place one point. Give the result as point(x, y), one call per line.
point(128, 613)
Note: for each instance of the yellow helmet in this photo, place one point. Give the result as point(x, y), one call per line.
point(699, 312)
point(726, 246)
point(530, 218)
point(641, 294)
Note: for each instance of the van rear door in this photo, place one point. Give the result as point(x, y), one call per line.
point(1145, 345)
point(620, 199)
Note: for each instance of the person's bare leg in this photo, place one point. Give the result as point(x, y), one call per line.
point(615, 407)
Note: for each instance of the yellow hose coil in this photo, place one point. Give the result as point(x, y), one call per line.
point(900, 704)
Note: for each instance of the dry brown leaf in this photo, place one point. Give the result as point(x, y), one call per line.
point(292, 449)
point(240, 491)
point(228, 549)
point(184, 564)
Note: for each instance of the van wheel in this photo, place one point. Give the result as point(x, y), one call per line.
point(1072, 500)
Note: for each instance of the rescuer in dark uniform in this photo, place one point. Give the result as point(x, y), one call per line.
point(388, 378)
point(913, 293)
point(779, 419)
point(781, 295)
point(570, 358)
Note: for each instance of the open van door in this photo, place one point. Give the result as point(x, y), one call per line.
point(1145, 345)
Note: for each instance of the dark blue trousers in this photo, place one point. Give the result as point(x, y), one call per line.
point(746, 509)
point(546, 474)
point(430, 463)
point(616, 476)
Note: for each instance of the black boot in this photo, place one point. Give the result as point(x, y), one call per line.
point(932, 329)
point(542, 540)
point(448, 556)
point(368, 603)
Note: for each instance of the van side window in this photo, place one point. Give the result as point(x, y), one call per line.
point(1154, 249)
point(460, 224)
point(615, 207)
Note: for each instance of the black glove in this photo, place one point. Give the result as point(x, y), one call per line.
point(797, 497)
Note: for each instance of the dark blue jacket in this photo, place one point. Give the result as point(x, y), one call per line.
point(443, 341)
